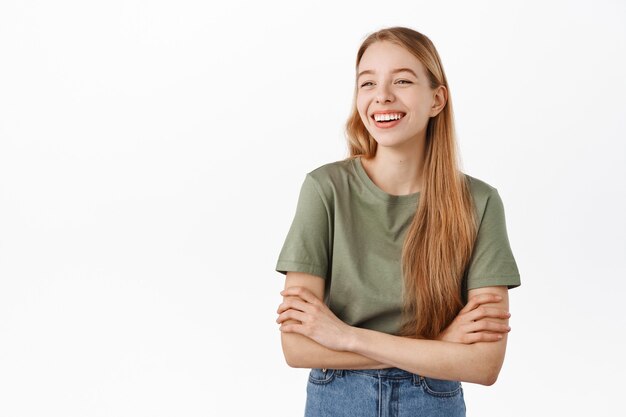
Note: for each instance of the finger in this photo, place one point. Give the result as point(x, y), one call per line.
point(296, 303)
point(291, 297)
point(482, 337)
point(482, 325)
point(291, 314)
point(487, 325)
point(301, 292)
point(479, 299)
point(292, 328)
point(482, 312)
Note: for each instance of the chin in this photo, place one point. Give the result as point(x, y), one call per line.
point(391, 144)
point(392, 138)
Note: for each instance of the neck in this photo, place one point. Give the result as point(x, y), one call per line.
point(397, 172)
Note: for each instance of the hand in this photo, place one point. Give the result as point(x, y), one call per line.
point(471, 324)
point(317, 321)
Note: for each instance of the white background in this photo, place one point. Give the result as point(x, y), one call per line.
point(151, 154)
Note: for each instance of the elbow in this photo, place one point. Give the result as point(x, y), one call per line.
point(489, 361)
point(290, 351)
point(489, 376)
point(489, 380)
point(291, 360)
point(296, 348)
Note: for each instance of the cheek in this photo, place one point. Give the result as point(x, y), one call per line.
point(359, 105)
point(362, 109)
point(421, 103)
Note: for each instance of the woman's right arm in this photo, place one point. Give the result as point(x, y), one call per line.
point(303, 352)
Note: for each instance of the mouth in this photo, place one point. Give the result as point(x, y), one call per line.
point(387, 120)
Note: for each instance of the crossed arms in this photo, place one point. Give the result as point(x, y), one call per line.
point(468, 350)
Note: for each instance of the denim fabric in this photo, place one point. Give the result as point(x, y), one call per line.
point(390, 392)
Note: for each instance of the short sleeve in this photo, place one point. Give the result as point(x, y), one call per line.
point(492, 262)
point(307, 245)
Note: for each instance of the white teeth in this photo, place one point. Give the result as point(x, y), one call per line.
point(389, 116)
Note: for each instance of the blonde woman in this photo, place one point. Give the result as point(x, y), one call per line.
point(397, 263)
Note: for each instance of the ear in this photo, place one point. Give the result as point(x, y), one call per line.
point(440, 97)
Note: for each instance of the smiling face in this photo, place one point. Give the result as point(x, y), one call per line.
point(391, 84)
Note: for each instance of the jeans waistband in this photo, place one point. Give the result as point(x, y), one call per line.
point(381, 373)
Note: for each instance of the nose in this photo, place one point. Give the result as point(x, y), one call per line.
point(384, 94)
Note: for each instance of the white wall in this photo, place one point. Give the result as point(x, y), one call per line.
point(151, 153)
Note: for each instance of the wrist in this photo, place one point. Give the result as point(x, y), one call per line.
point(353, 338)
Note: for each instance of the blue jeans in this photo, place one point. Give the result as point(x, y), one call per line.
point(390, 392)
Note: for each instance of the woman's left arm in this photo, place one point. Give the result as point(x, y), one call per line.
point(477, 362)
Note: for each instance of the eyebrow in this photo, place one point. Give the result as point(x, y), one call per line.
point(393, 72)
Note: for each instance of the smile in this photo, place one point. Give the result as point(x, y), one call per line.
point(388, 120)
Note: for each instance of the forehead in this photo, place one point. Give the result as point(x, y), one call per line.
point(384, 56)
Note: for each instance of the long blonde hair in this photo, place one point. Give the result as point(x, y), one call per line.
point(439, 242)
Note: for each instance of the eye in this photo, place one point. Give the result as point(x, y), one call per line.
point(399, 81)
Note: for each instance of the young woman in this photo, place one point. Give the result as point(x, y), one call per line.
point(397, 263)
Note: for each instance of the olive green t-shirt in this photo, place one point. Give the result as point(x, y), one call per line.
point(350, 232)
